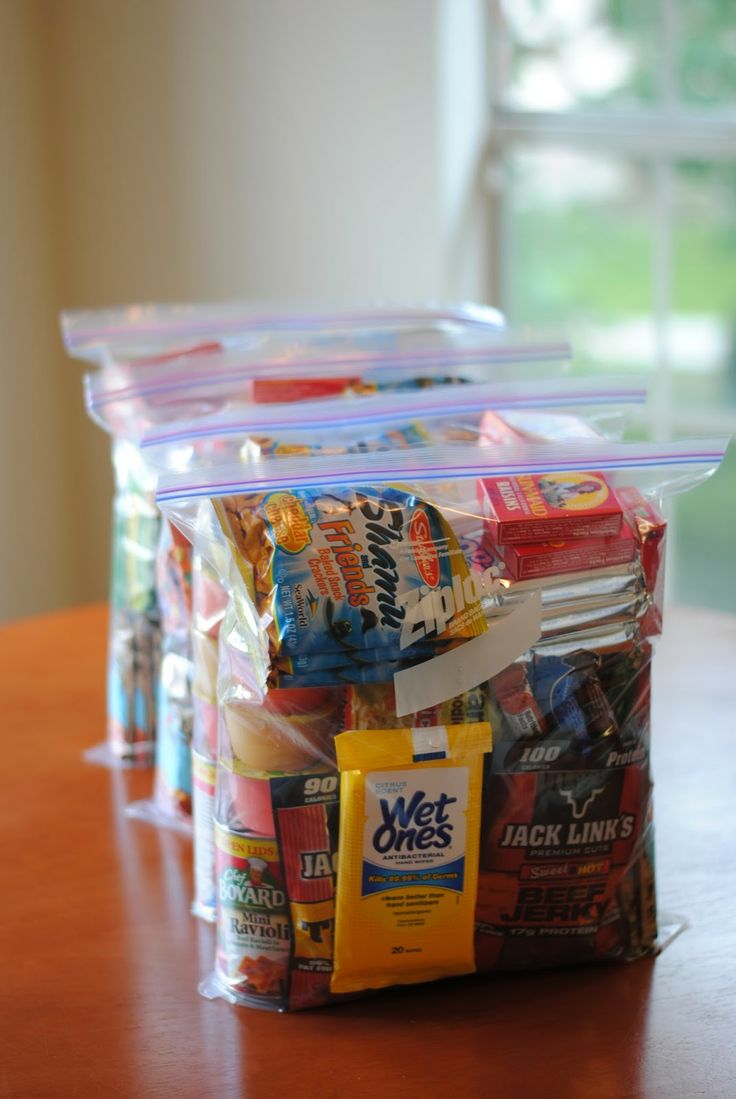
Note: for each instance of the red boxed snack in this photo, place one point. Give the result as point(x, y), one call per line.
point(527, 560)
point(543, 507)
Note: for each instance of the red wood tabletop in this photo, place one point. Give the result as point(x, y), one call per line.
point(101, 958)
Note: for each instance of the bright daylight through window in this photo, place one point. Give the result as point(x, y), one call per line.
point(613, 190)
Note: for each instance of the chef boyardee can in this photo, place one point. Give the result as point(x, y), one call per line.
point(253, 928)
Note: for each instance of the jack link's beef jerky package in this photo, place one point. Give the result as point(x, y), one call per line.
point(566, 868)
point(558, 665)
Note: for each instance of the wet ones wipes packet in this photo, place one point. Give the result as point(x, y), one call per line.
point(408, 854)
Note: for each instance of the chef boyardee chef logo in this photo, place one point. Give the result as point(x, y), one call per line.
point(415, 829)
point(251, 887)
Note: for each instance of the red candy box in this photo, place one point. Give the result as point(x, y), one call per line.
point(542, 507)
point(528, 560)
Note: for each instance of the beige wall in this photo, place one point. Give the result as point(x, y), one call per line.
point(38, 567)
point(178, 149)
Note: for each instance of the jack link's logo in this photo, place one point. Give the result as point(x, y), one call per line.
point(580, 803)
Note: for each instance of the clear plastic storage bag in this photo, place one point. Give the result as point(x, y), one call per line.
point(172, 800)
point(152, 331)
point(379, 593)
point(128, 394)
point(154, 395)
point(561, 407)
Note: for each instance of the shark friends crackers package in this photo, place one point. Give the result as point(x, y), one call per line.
point(336, 571)
point(408, 855)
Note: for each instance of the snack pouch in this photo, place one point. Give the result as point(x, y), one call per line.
point(408, 855)
point(134, 643)
point(341, 571)
point(306, 812)
point(567, 868)
point(172, 801)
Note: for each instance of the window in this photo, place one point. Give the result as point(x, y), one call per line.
point(613, 193)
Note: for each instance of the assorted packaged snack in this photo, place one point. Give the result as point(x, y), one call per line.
point(134, 644)
point(446, 413)
point(392, 639)
point(519, 799)
point(172, 796)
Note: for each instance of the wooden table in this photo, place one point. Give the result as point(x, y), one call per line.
point(100, 957)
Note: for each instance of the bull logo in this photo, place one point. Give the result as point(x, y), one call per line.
point(580, 803)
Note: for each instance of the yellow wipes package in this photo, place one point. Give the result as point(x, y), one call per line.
point(407, 876)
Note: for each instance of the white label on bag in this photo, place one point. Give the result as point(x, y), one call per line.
point(474, 662)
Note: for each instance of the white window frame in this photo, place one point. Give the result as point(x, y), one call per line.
point(660, 137)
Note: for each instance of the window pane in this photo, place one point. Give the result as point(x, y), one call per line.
point(577, 253)
point(703, 323)
point(566, 53)
point(702, 343)
point(570, 53)
point(578, 257)
point(707, 52)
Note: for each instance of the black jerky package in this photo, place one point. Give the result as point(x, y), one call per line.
point(567, 871)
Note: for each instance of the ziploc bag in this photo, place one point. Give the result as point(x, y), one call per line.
point(457, 411)
point(125, 399)
point(176, 710)
point(561, 670)
point(134, 639)
point(493, 412)
point(143, 331)
point(131, 397)
point(209, 602)
point(172, 801)
point(408, 856)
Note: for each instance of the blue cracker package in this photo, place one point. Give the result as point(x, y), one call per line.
point(351, 570)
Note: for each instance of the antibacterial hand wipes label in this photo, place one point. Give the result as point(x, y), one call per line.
point(408, 857)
